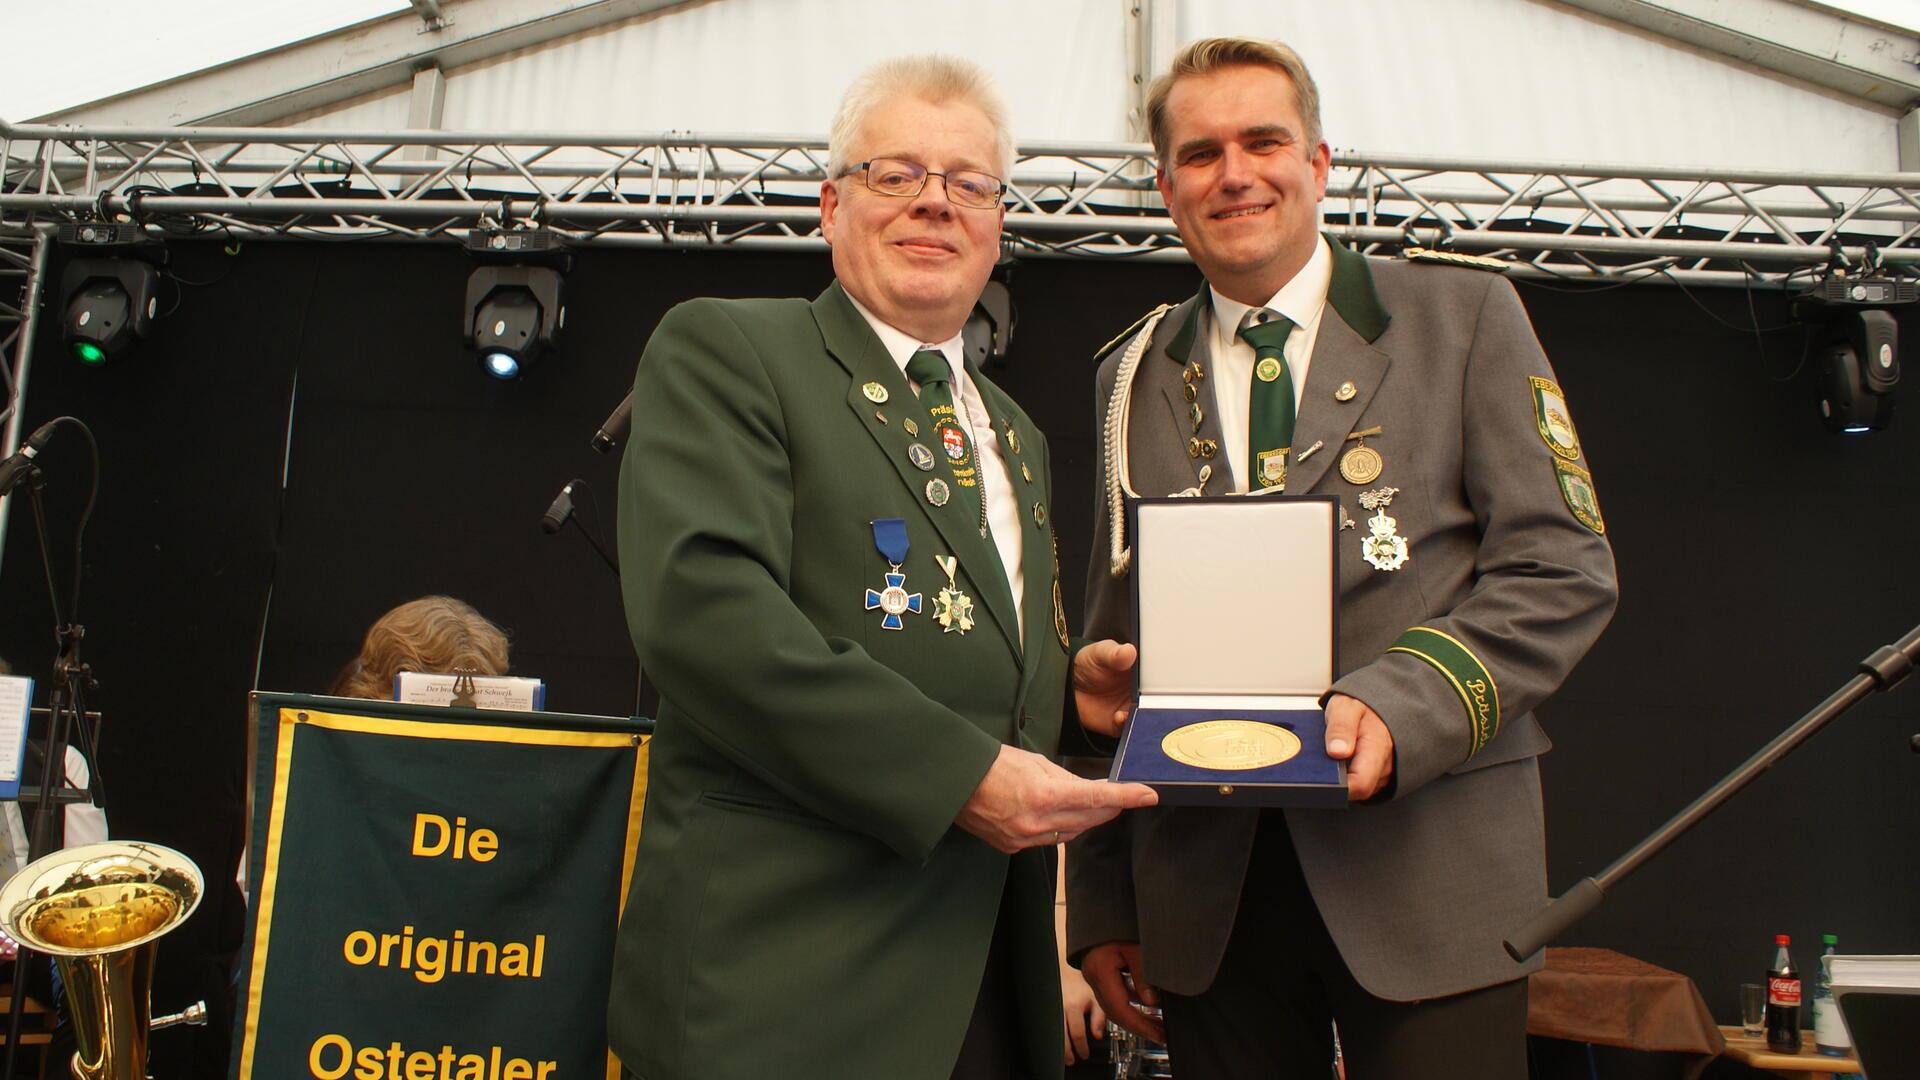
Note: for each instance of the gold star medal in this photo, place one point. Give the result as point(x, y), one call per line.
point(952, 609)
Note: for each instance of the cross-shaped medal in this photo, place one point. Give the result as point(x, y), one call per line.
point(894, 600)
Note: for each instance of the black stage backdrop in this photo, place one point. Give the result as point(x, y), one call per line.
point(1760, 558)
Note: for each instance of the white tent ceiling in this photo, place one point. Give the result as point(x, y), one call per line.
point(1533, 79)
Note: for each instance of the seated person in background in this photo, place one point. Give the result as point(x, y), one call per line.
point(435, 634)
point(1086, 1020)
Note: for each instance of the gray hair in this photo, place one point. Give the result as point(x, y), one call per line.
point(931, 78)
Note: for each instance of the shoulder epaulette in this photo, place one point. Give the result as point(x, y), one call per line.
point(1101, 353)
point(1455, 258)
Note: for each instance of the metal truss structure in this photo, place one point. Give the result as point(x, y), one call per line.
point(1550, 220)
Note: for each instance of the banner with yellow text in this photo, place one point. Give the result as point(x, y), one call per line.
point(434, 891)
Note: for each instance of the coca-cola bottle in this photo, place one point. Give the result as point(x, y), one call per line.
point(1783, 1000)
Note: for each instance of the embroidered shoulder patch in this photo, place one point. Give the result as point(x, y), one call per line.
point(1555, 423)
point(1576, 486)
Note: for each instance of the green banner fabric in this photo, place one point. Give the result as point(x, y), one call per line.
point(434, 891)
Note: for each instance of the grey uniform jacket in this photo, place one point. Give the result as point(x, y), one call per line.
point(1508, 581)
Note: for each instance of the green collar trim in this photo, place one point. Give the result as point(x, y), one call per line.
point(1182, 342)
point(1350, 291)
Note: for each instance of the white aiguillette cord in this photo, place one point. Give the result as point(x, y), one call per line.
point(1118, 487)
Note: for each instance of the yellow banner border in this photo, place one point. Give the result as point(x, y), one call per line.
point(292, 719)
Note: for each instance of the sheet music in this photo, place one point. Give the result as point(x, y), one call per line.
point(505, 692)
point(16, 697)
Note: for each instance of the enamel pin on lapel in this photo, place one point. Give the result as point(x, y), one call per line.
point(912, 428)
point(921, 457)
point(875, 393)
point(937, 492)
point(1346, 392)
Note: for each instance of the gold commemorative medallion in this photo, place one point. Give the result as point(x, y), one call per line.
point(1235, 745)
point(1361, 465)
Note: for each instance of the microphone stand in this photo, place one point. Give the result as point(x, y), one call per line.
point(1884, 669)
point(67, 708)
point(563, 509)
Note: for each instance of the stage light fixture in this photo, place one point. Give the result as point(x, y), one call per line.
point(1857, 346)
point(989, 329)
point(515, 304)
point(111, 293)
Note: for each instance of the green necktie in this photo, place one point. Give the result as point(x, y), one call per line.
point(1270, 401)
point(930, 370)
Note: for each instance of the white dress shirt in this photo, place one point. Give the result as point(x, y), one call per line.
point(996, 479)
point(1302, 299)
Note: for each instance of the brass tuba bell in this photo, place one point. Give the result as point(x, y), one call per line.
point(98, 910)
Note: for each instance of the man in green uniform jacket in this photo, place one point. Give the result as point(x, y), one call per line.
point(839, 570)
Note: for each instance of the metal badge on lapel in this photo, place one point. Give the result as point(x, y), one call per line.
point(1040, 515)
point(1384, 548)
point(875, 393)
point(937, 492)
point(1013, 437)
point(1346, 392)
point(912, 428)
point(1026, 473)
point(1362, 464)
point(952, 609)
point(893, 601)
point(921, 457)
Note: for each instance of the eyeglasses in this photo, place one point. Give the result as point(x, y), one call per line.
point(965, 187)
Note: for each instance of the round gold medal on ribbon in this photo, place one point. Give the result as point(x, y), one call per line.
point(1361, 465)
point(1235, 745)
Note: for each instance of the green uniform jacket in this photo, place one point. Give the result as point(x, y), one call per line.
point(802, 904)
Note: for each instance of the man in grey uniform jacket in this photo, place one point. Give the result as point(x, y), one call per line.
point(1474, 573)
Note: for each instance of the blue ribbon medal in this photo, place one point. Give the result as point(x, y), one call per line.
point(890, 539)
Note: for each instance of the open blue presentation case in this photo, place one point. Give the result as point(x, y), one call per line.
point(1234, 614)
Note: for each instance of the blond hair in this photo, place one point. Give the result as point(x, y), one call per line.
point(931, 78)
point(1208, 55)
point(435, 634)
